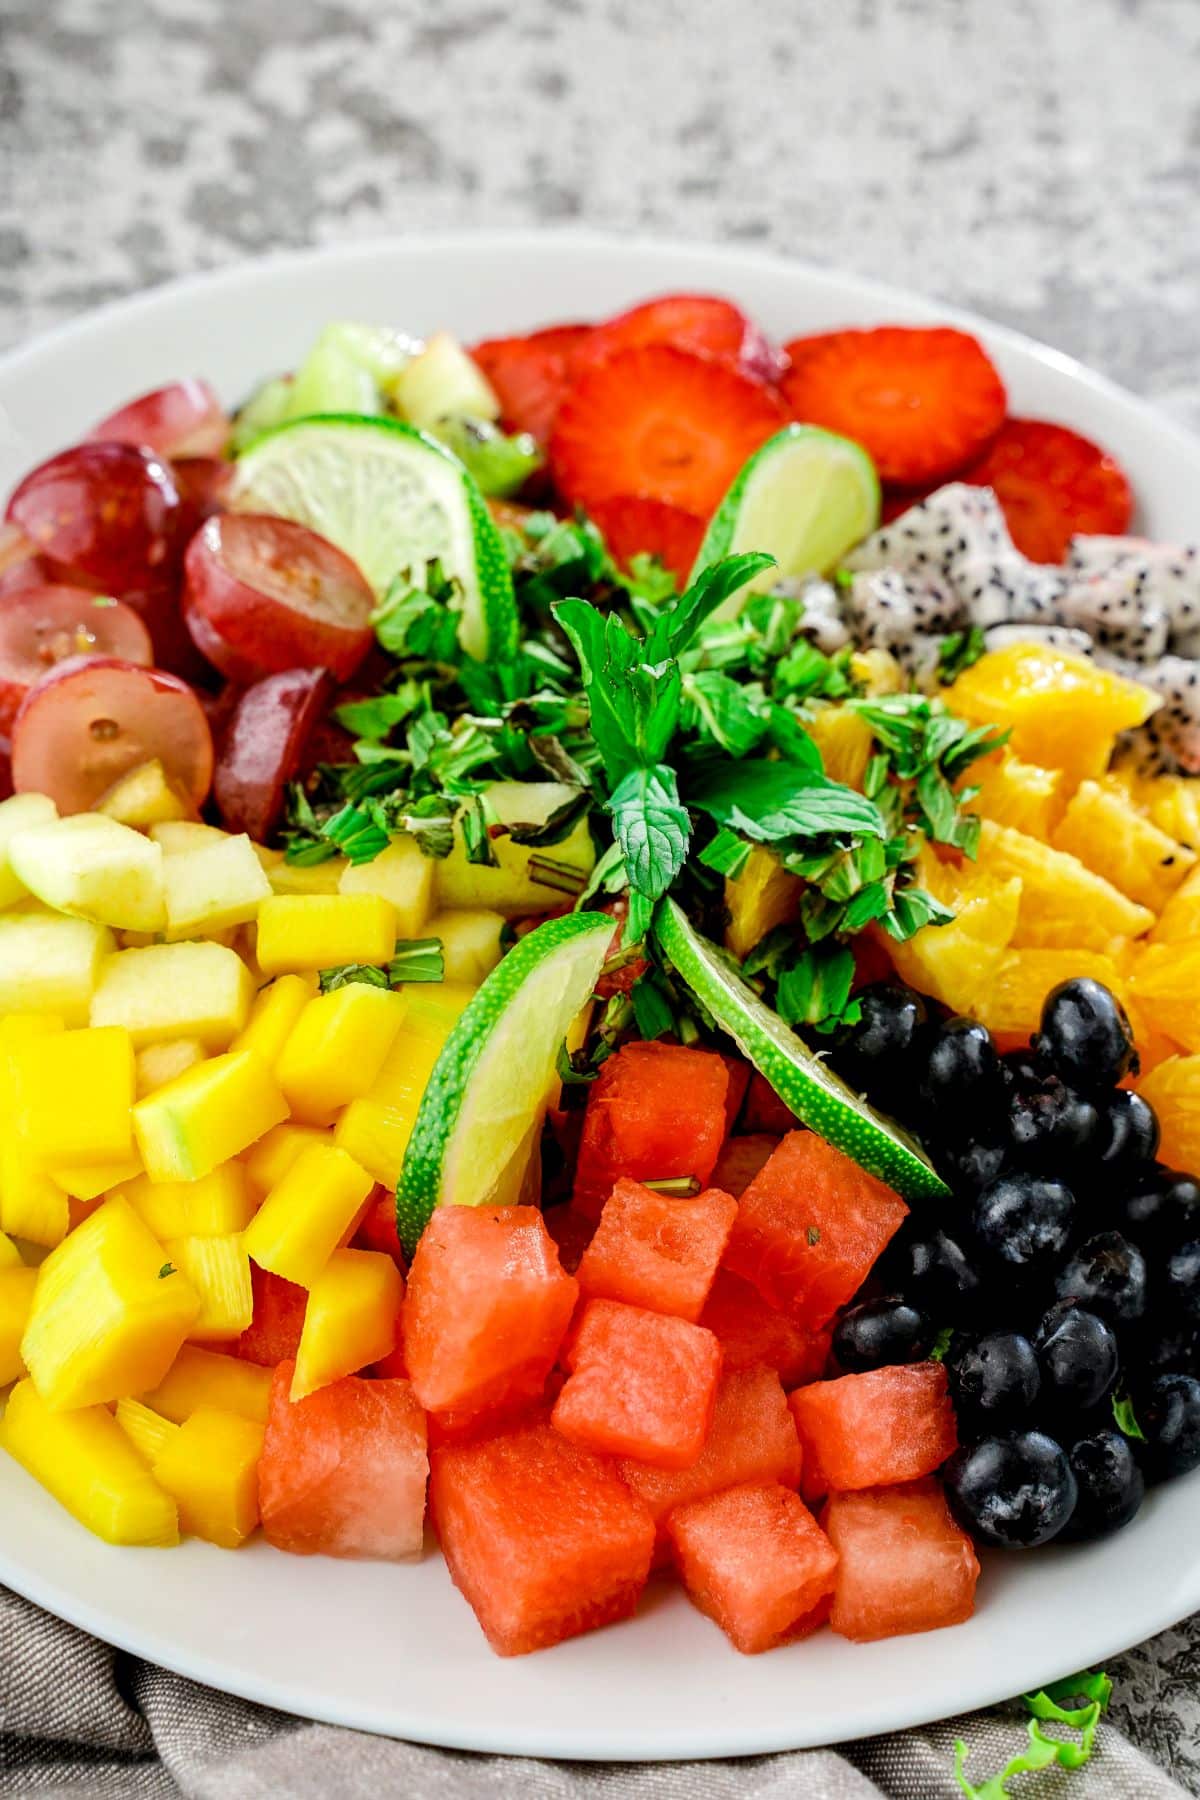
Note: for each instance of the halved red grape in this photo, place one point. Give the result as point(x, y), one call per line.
point(264, 745)
point(92, 719)
point(43, 626)
point(104, 516)
point(262, 595)
point(185, 418)
point(203, 482)
point(20, 564)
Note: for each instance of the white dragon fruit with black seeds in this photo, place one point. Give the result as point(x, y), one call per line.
point(952, 523)
point(885, 608)
point(1009, 589)
point(822, 619)
point(1171, 575)
point(1118, 613)
point(1055, 637)
point(1174, 730)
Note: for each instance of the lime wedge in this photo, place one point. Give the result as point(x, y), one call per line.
point(478, 1124)
point(391, 498)
point(807, 496)
point(803, 1081)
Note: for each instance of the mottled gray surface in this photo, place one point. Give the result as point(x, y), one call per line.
point(1037, 159)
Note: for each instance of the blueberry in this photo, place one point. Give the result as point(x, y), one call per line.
point(1077, 1355)
point(1023, 1221)
point(1049, 1126)
point(1175, 1349)
point(1085, 1035)
point(875, 1056)
point(876, 1333)
point(1107, 1274)
point(959, 1081)
point(1110, 1483)
point(1127, 1134)
point(1022, 1068)
point(934, 1275)
point(994, 1379)
point(1015, 1492)
point(1179, 1283)
point(1168, 1410)
point(1161, 1207)
point(970, 1165)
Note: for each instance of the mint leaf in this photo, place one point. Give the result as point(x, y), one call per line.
point(653, 1011)
point(1125, 1418)
point(678, 624)
point(959, 651)
point(633, 703)
point(728, 711)
point(652, 828)
point(416, 959)
point(768, 801)
point(942, 1343)
point(329, 980)
point(375, 719)
point(728, 854)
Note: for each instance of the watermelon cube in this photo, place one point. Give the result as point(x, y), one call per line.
point(764, 1110)
point(873, 1430)
point(654, 1112)
point(657, 1250)
point(809, 1228)
point(739, 1080)
point(753, 1332)
point(572, 1232)
point(541, 1535)
point(740, 1161)
point(273, 1334)
point(903, 1563)
point(756, 1561)
point(642, 1384)
point(487, 1307)
point(377, 1229)
point(343, 1471)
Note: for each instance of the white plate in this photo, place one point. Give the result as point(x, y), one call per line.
point(395, 1649)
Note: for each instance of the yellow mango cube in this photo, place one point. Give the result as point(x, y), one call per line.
point(376, 1135)
point(93, 868)
point(146, 1429)
point(337, 1048)
point(275, 1152)
point(156, 1064)
point(87, 1181)
point(218, 1268)
point(219, 1203)
point(401, 874)
point(215, 1111)
point(273, 1017)
point(201, 991)
point(16, 1304)
point(109, 1312)
point(201, 1377)
point(210, 1468)
point(324, 931)
point(18, 813)
point(350, 1318)
point(434, 1008)
point(10, 1256)
point(49, 964)
point(32, 1204)
point(71, 1096)
point(470, 943)
point(90, 1466)
point(212, 887)
point(144, 796)
point(308, 1214)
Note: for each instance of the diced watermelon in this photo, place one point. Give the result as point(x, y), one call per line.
point(739, 1080)
point(487, 1307)
point(541, 1536)
point(753, 1332)
point(740, 1161)
point(343, 1471)
point(642, 1384)
point(273, 1335)
point(764, 1110)
point(657, 1250)
point(756, 1561)
point(378, 1228)
point(654, 1112)
point(904, 1565)
point(809, 1228)
point(876, 1429)
point(571, 1231)
point(393, 1367)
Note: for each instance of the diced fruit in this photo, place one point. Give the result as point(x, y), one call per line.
point(1016, 793)
point(275, 1152)
point(752, 1332)
point(213, 887)
point(642, 1384)
point(1164, 981)
point(308, 1213)
point(16, 1304)
point(108, 1315)
point(655, 1112)
point(764, 1112)
point(299, 878)
point(343, 1472)
point(90, 1466)
point(337, 1048)
point(201, 1377)
point(511, 887)
point(32, 1204)
point(1112, 838)
point(279, 1307)
point(350, 1320)
point(763, 896)
point(1011, 1003)
point(529, 375)
point(210, 1469)
point(845, 742)
point(1063, 904)
point(742, 1158)
point(443, 382)
point(874, 1430)
point(638, 525)
point(187, 1128)
point(218, 1269)
point(903, 1563)
point(10, 1256)
point(50, 964)
point(182, 419)
point(401, 874)
point(20, 812)
point(145, 796)
point(810, 1227)
point(1173, 1090)
point(540, 1535)
point(263, 745)
point(95, 1068)
point(176, 835)
point(87, 1181)
point(324, 931)
point(470, 943)
point(704, 324)
point(1052, 484)
point(156, 1064)
point(1173, 804)
point(273, 1017)
point(1180, 917)
point(378, 1228)
point(148, 1431)
point(955, 962)
point(756, 1561)
point(656, 1250)
point(165, 991)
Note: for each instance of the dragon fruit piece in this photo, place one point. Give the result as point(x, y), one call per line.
point(1009, 589)
point(1118, 613)
point(1171, 579)
point(822, 619)
point(1175, 727)
point(932, 537)
point(885, 608)
point(1055, 637)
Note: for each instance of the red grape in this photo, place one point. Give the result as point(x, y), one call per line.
point(42, 626)
point(104, 516)
point(185, 418)
point(264, 744)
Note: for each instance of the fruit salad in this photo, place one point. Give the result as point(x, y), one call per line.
point(599, 955)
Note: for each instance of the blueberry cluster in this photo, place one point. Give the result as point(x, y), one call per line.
point(1064, 1271)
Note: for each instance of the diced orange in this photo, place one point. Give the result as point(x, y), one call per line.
point(1173, 803)
point(1063, 904)
point(955, 962)
point(1016, 793)
point(1110, 835)
point(845, 742)
point(1165, 987)
point(762, 896)
point(1173, 1090)
point(1011, 1003)
point(1180, 917)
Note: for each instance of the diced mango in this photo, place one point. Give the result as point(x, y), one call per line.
point(10, 1256)
point(87, 1181)
point(216, 1205)
point(156, 1064)
point(16, 1304)
point(275, 1152)
point(433, 1008)
point(147, 1430)
point(71, 1096)
point(273, 1017)
point(18, 813)
point(201, 991)
point(471, 943)
point(49, 964)
point(375, 1129)
point(337, 1048)
point(210, 1467)
point(93, 868)
point(308, 1214)
point(350, 1319)
point(32, 1204)
point(145, 796)
point(212, 887)
point(401, 874)
point(201, 1119)
point(109, 1314)
point(324, 931)
point(201, 1377)
point(218, 1268)
point(90, 1466)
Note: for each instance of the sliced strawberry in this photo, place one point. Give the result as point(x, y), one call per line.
point(1053, 483)
point(895, 501)
point(701, 323)
point(661, 423)
point(529, 375)
point(632, 523)
point(923, 400)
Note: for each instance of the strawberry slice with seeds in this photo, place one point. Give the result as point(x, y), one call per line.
point(922, 400)
point(529, 375)
point(661, 423)
point(702, 323)
point(1053, 483)
point(633, 523)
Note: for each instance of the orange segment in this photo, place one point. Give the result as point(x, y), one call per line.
point(957, 962)
point(1011, 1003)
point(1016, 793)
point(1180, 917)
point(1063, 904)
point(1115, 840)
point(1173, 1090)
point(1165, 986)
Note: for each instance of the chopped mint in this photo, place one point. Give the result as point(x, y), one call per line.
point(1126, 1419)
point(167, 1269)
point(960, 650)
point(415, 959)
point(942, 1343)
point(679, 1187)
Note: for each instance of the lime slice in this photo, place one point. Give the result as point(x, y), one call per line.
point(807, 496)
point(478, 1125)
point(803, 1080)
point(392, 499)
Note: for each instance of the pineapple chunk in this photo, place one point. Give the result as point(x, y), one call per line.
point(275, 1152)
point(32, 1204)
point(51, 965)
point(214, 1206)
point(93, 868)
point(93, 1071)
point(376, 1135)
point(470, 943)
point(19, 813)
point(443, 382)
point(10, 1256)
point(146, 1429)
point(508, 886)
point(88, 1463)
point(312, 1210)
point(763, 896)
point(156, 1064)
point(200, 991)
point(16, 1304)
point(87, 1181)
point(210, 1378)
point(324, 931)
point(273, 1015)
point(213, 887)
point(337, 1048)
point(401, 874)
point(219, 1270)
point(210, 1467)
point(108, 1315)
point(215, 1111)
point(145, 796)
point(375, 1129)
point(350, 1319)
point(174, 836)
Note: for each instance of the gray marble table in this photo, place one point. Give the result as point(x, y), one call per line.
point(1037, 159)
